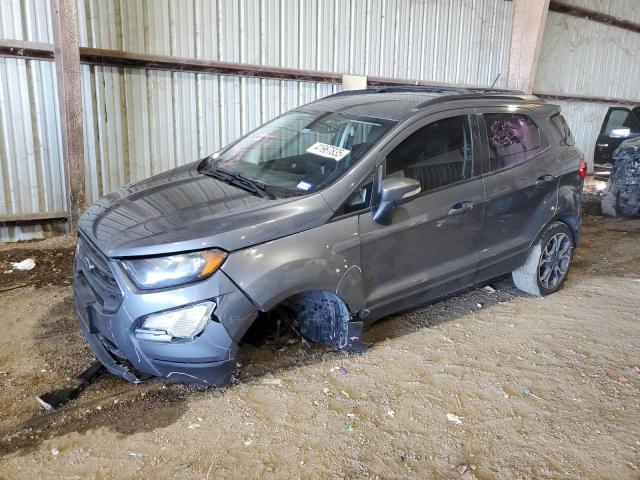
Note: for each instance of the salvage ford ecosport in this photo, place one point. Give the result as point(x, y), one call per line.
point(339, 213)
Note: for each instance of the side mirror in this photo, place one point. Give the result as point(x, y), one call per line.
point(395, 191)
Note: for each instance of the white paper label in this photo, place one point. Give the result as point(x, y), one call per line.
point(303, 185)
point(328, 151)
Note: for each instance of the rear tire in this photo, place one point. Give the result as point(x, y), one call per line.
point(548, 262)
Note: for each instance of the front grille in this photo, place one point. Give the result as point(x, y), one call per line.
point(94, 266)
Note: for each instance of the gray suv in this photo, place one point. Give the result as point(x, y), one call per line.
point(331, 216)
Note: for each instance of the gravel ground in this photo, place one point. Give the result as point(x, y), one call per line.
point(440, 394)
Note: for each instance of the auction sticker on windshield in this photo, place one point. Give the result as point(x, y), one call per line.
point(328, 151)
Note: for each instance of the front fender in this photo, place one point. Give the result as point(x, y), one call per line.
point(323, 258)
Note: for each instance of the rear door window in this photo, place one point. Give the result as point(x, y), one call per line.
point(513, 139)
point(438, 154)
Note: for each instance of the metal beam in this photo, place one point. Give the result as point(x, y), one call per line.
point(66, 54)
point(529, 18)
point(561, 6)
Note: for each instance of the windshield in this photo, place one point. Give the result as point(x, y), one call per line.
point(300, 152)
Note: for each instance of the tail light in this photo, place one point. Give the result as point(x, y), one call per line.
point(582, 169)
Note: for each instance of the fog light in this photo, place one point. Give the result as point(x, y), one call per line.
point(184, 322)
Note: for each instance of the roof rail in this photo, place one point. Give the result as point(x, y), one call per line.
point(490, 95)
point(442, 89)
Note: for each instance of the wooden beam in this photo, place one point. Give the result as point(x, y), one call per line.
point(561, 6)
point(584, 98)
point(19, 48)
point(68, 77)
point(117, 58)
point(32, 217)
point(529, 19)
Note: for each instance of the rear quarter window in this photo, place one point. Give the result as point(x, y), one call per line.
point(561, 127)
point(513, 138)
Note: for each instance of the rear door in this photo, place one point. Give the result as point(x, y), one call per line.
point(430, 246)
point(619, 124)
point(521, 181)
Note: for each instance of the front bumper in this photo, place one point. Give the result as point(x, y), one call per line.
point(109, 325)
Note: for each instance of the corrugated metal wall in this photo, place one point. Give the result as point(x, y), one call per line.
point(140, 122)
point(590, 58)
point(31, 169)
point(584, 57)
point(457, 41)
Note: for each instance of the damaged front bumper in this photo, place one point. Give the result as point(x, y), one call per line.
point(111, 309)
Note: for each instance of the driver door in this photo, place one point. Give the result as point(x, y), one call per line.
point(429, 248)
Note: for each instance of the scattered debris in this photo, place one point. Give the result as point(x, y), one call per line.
point(55, 452)
point(473, 467)
point(137, 454)
point(479, 305)
point(52, 400)
point(454, 418)
point(180, 466)
point(345, 394)
point(272, 381)
point(248, 442)
point(22, 266)
point(432, 397)
point(527, 393)
point(461, 469)
point(193, 426)
point(391, 413)
point(351, 415)
point(488, 289)
point(340, 370)
point(458, 400)
point(623, 380)
point(350, 428)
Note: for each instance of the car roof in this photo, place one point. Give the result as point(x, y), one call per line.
point(396, 103)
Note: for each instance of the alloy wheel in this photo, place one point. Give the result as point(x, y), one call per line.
point(555, 261)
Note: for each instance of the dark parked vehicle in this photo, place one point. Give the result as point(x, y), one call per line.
point(620, 123)
point(332, 216)
point(622, 194)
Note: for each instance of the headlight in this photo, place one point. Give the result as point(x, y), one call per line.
point(186, 322)
point(160, 272)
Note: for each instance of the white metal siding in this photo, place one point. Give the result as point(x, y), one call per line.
point(26, 20)
point(456, 41)
point(588, 58)
point(140, 122)
point(31, 169)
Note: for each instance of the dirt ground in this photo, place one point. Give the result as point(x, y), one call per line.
point(382, 414)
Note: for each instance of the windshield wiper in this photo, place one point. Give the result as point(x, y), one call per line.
point(239, 181)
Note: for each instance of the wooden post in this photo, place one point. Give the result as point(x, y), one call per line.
point(529, 19)
point(66, 53)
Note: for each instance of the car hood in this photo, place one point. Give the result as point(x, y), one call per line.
point(183, 210)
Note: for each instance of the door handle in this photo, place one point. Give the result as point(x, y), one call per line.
point(544, 179)
point(461, 207)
